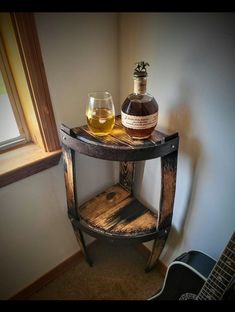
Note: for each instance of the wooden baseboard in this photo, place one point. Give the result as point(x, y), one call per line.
point(66, 265)
point(49, 276)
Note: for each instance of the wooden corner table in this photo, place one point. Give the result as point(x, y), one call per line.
point(115, 214)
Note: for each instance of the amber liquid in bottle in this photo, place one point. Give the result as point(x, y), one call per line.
point(139, 112)
point(140, 106)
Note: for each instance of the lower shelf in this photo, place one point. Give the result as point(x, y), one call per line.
point(114, 213)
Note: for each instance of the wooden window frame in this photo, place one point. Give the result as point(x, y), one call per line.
point(45, 150)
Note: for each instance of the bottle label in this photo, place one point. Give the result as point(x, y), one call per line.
point(139, 122)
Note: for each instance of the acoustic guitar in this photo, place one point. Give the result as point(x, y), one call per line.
point(196, 276)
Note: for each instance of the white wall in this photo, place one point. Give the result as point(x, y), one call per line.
point(80, 55)
point(192, 76)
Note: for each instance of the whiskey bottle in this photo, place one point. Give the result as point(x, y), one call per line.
point(139, 112)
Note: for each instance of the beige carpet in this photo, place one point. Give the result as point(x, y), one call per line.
point(117, 274)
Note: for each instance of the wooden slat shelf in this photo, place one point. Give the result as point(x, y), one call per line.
point(115, 214)
point(118, 145)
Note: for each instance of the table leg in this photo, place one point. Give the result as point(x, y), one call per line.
point(70, 181)
point(126, 176)
point(157, 248)
point(168, 184)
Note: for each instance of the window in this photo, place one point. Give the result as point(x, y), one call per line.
point(20, 40)
point(13, 129)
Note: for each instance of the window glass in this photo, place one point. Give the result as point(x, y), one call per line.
point(8, 126)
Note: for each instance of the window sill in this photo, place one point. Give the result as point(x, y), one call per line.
point(25, 161)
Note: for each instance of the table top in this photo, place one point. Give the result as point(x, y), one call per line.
point(118, 145)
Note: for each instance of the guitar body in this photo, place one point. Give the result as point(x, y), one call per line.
point(185, 276)
point(196, 276)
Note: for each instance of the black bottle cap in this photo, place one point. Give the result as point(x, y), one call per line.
point(140, 70)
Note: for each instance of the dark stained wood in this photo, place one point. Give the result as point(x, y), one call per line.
point(115, 214)
point(126, 177)
point(82, 245)
point(70, 181)
point(67, 130)
point(168, 184)
point(157, 248)
point(161, 267)
point(118, 145)
point(69, 176)
point(168, 181)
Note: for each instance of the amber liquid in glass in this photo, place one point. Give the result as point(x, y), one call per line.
point(100, 121)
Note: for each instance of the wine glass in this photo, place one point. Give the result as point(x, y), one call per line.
point(100, 113)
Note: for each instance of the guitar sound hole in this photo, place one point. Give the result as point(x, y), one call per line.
point(188, 296)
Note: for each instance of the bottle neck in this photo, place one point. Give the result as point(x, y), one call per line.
point(140, 85)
